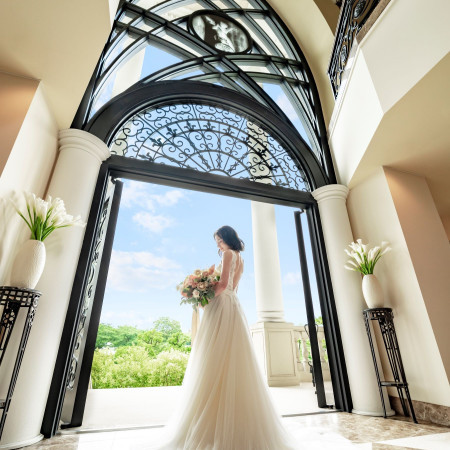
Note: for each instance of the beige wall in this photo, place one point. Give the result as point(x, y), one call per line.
point(330, 12)
point(446, 223)
point(57, 42)
point(429, 250)
point(16, 94)
point(28, 168)
point(394, 109)
point(315, 37)
point(374, 218)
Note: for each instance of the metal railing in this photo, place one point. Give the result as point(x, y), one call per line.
point(354, 14)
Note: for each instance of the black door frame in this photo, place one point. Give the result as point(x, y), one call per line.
point(117, 167)
point(114, 114)
point(106, 123)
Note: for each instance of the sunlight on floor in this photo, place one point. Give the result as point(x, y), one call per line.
point(317, 431)
point(121, 408)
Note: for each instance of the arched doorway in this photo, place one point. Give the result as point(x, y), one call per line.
point(275, 163)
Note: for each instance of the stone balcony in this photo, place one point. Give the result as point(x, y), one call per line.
point(152, 406)
point(304, 360)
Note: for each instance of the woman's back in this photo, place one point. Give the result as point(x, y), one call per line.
point(236, 270)
point(226, 403)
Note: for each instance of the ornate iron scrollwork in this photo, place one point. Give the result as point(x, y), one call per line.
point(88, 294)
point(241, 46)
point(359, 8)
point(12, 299)
point(353, 16)
point(209, 139)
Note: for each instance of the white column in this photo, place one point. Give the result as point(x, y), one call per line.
point(347, 291)
point(269, 293)
point(73, 180)
point(273, 338)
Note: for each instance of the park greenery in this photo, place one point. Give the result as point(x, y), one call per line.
point(128, 357)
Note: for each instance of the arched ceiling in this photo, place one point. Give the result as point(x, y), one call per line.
point(56, 42)
point(311, 23)
point(60, 42)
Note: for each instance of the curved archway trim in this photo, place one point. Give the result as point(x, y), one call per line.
point(109, 119)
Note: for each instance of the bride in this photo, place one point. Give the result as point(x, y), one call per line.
point(225, 403)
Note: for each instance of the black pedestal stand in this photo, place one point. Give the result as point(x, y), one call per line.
point(385, 320)
point(12, 299)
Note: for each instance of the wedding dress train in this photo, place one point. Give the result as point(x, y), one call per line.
point(225, 402)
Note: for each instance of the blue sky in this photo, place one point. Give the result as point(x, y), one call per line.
point(156, 59)
point(164, 233)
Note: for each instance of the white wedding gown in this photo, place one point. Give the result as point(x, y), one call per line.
point(225, 402)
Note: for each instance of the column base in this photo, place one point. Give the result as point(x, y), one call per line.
point(276, 352)
point(21, 444)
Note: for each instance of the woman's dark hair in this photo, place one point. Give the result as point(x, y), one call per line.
point(230, 237)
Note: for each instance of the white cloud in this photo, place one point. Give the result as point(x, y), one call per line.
point(155, 223)
point(142, 271)
point(292, 278)
point(140, 194)
point(283, 102)
point(169, 198)
point(133, 192)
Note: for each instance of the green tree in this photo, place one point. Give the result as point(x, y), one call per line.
point(167, 326)
point(168, 368)
point(129, 367)
point(128, 357)
point(165, 335)
point(109, 336)
point(152, 340)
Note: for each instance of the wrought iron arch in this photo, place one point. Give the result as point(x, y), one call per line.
point(290, 154)
point(229, 84)
point(273, 70)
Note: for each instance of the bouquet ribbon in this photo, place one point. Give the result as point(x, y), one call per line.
point(195, 324)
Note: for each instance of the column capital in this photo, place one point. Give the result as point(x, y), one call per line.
point(75, 139)
point(331, 191)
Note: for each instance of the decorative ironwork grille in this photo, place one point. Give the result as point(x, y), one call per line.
point(89, 292)
point(156, 33)
point(209, 139)
point(353, 16)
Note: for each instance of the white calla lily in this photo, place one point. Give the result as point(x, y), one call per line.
point(45, 216)
point(364, 258)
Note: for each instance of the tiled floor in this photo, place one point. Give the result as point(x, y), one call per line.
point(138, 423)
point(154, 405)
point(315, 431)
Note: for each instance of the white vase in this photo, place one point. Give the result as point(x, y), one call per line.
point(373, 294)
point(28, 265)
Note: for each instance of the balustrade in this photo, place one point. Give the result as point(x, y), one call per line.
point(304, 356)
point(354, 14)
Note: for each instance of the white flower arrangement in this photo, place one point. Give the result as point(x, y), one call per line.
point(364, 259)
point(45, 216)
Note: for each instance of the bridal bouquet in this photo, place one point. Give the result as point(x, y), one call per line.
point(198, 288)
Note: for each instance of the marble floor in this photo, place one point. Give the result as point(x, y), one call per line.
point(321, 431)
point(154, 405)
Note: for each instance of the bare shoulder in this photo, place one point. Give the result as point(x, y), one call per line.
point(227, 254)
